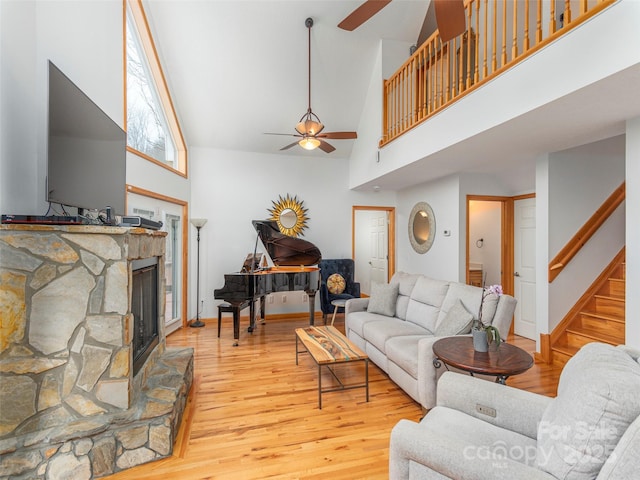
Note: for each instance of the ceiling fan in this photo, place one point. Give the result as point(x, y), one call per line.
point(449, 14)
point(309, 127)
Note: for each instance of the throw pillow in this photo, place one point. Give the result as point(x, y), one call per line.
point(457, 321)
point(598, 398)
point(383, 299)
point(336, 284)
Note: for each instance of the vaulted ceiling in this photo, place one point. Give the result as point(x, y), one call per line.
point(238, 68)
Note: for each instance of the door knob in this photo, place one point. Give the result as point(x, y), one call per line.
point(516, 274)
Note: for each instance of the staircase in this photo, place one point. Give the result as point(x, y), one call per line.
point(598, 317)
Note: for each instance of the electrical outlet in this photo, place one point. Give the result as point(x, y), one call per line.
point(305, 297)
point(491, 412)
point(270, 299)
point(284, 299)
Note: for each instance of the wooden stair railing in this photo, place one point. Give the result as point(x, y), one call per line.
point(591, 226)
point(498, 37)
point(598, 316)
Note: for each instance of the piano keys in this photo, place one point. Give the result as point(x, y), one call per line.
point(295, 269)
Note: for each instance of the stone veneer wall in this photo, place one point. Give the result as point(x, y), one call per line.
point(68, 399)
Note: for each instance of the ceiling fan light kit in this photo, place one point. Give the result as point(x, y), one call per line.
point(309, 143)
point(310, 126)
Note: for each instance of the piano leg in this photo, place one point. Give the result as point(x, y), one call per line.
point(252, 316)
point(262, 306)
point(312, 306)
point(236, 325)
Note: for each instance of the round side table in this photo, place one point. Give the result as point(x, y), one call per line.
point(458, 352)
point(340, 303)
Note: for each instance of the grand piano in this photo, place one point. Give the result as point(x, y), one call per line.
point(295, 268)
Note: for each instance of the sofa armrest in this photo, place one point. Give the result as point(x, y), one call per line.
point(356, 305)
point(516, 410)
point(415, 443)
point(427, 373)
point(504, 315)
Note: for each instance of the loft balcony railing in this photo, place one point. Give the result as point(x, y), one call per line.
point(500, 33)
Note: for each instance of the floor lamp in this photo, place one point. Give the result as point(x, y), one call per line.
point(198, 223)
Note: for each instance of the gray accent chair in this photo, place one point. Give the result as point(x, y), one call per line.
point(482, 430)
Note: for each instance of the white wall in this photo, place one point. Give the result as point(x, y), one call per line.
point(633, 232)
point(231, 188)
point(84, 39)
point(443, 259)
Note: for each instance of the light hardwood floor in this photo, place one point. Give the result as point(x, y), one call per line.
point(253, 414)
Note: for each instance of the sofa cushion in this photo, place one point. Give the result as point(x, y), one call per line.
point(356, 321)
point(378, 332)
point(336, 284)
point(403, 351)
point(406, 282)
point(598, 398)
point(457, 321)
point(424, 305)
point(383, 299)
point(470, 297)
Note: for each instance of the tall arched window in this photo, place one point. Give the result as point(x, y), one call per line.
point(153, 131)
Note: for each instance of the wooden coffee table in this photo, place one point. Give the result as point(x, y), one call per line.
point(329, 347)
point(458, 352)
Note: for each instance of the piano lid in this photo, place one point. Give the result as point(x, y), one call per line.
point(285, 250)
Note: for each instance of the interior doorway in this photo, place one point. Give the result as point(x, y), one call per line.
point(491, 221)
point(373, 245)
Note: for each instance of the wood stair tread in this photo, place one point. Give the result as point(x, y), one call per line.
point(596, 334)
point(603, 316)
point(615, 298)
point(564, 348)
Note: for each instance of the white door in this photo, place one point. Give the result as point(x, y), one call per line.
point(524, 267)
point(379, 260)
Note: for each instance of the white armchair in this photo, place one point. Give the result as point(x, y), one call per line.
point(483, 430)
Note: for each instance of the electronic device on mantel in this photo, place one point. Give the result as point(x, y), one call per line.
point(86, 150)
point(295, 268)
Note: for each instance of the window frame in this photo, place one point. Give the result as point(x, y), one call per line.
point(141, 26)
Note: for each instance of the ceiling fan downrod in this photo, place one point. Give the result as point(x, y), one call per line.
point(309, 124)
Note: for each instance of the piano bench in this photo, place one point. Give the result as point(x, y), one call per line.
point(225, 307)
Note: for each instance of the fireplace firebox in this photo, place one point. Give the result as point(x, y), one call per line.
point(144, 308)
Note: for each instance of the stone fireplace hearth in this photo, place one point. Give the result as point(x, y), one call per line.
point(70, 403)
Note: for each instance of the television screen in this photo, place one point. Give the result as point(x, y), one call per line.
point(86, 161)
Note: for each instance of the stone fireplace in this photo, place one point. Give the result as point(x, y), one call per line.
point(87, 385)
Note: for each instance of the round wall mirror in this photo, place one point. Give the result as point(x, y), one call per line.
point(422, 227)
point(288, 218)
point(290, 214)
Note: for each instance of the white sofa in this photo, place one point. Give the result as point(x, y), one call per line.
point(591, 430)
point(398, 324)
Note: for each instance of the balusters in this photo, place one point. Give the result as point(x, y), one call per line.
point(439, 73)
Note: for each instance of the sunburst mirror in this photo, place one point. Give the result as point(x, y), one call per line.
point(290, 214)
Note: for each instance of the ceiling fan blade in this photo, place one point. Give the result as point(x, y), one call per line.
point(289, 146)
point(450, 18)
point(338, 135)
point(326, 147)
point(428, 25)
point(363, 13)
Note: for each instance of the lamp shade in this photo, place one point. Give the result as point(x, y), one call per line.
point(309, 143)
point(198, 222)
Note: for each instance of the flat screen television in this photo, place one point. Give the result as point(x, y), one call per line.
point(86, 152)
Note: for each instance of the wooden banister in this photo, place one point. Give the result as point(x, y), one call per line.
point(583, 235)
point(438, 73)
